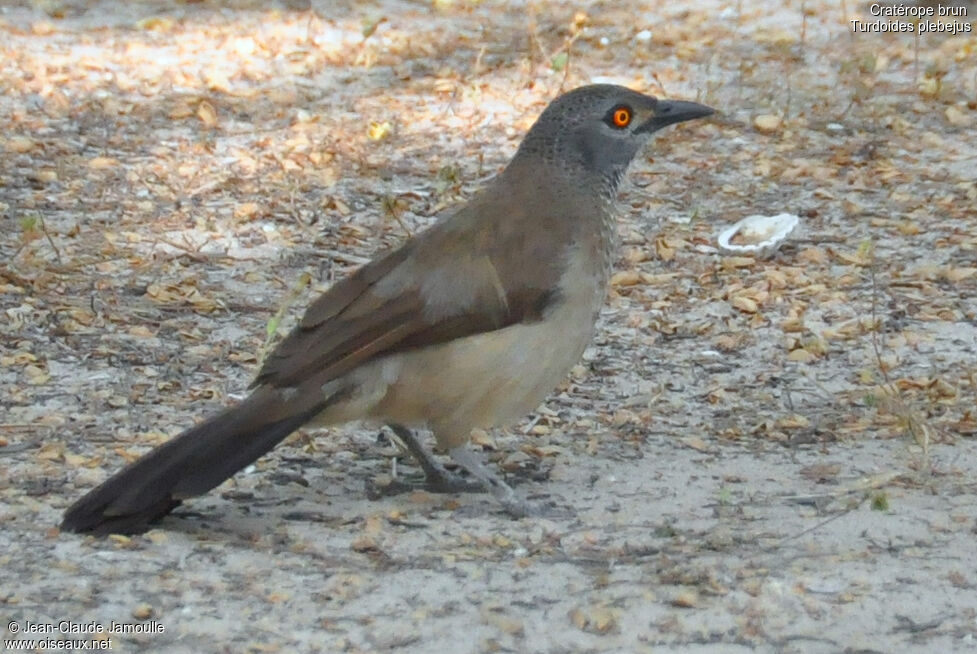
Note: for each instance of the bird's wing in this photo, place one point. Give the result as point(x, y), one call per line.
point(467, 275)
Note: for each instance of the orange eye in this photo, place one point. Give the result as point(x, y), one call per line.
point(621, 117)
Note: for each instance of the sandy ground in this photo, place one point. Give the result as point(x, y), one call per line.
point(755, 455)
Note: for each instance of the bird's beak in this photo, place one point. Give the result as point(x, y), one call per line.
point(669, 112)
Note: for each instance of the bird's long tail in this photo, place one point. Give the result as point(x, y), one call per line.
point(190, 464)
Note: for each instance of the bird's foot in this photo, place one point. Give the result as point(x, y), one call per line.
point(440, 480)
point(437, 479)
point(512, 503)
point(385, 486)
point(518, 507)
point(439, 483)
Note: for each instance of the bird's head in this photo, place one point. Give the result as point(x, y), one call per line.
point(593, 132)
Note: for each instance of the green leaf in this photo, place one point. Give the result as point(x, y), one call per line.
point(560, 61)
point(880, 501)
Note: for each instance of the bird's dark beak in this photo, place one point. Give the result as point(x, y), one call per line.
point(669, 112)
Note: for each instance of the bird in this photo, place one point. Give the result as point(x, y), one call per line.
point(469, 324)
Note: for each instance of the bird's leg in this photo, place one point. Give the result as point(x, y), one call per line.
point(437, 479)
point(508, 498)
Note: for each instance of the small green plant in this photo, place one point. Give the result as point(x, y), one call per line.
point(449, 176)
point(275, 321)
point(665, 531)
point(559, 61)
point(880, 501)
point(29, 224)
point(725, 496)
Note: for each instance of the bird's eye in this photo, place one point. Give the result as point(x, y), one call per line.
point(621, 117)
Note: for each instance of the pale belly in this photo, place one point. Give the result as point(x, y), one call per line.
point(486, 380)
point(481, 381)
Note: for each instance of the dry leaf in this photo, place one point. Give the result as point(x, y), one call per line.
point(957, 275)
point(767, 122)
point(19, 144)
point(956, 117)
point(595, 619)
point(102, 163)
point(379, 131)
point(744, 304)
point(793, 422)
point(812, 255)
point(664, 249)
point(482, 438)
point(143, 612)
point(801, 355)
point(156, 24)
point(686, 599)
point(858, 258)
point(246, 211)
point(821, 472)
point(207, 114)
point(626, 278)
point(180, 111)
point(696, 443)
point(737, 262)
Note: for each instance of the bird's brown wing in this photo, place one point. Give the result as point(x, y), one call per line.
point(459, 278)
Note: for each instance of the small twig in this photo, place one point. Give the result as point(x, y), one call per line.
point(787, 539)
point(11, 276)
point(344, 257)
point(917, 430)
point(658, 81)
point(905, 623)
point(821, 238)
point(305, 279)
point(15, 448)
point(208, 186)
point(875, 323)
point(534, 38)
point(567, 46)
point(478, 59)
point(872, 483)
point(191, 250)
point(57, 252)
point(819, 386)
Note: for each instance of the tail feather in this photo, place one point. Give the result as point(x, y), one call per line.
point(190, 464)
